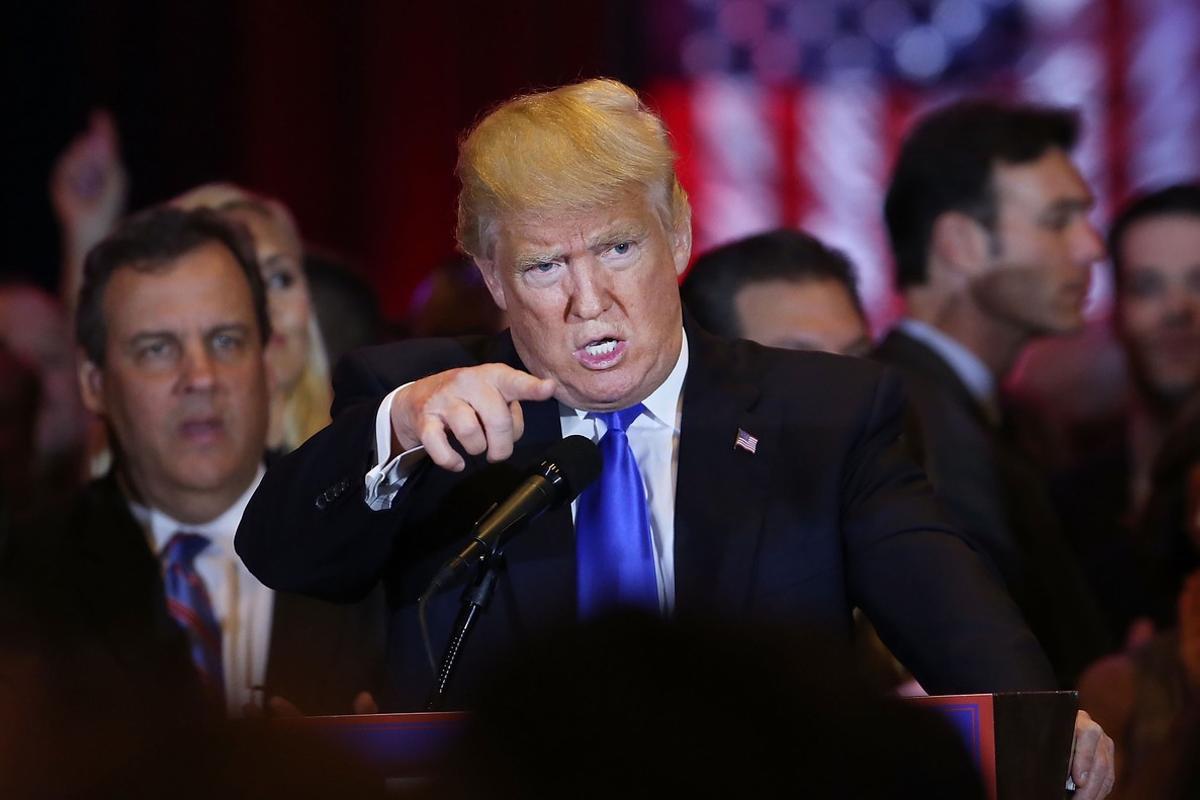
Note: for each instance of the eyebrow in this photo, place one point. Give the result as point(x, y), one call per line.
point(619, 232)
point(222, 327)
point(279, 258)
point(1073, 204)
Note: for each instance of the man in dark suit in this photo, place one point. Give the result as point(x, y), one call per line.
point(988, 222)
point(171, 326)
point(769, 484)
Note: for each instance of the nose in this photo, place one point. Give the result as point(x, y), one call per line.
point(1089, 244)
point(590, 291)
point(1182, 306)
point(199, 369)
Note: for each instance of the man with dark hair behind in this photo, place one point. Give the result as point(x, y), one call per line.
point(988, 220)
point(783, 288)
point(139, 580)
point(1137, 568)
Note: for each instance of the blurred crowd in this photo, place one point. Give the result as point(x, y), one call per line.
point(193, 342)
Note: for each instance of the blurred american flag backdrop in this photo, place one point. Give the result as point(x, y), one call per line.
point(789, 112)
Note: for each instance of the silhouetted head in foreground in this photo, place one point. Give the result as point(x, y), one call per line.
point(631, 705)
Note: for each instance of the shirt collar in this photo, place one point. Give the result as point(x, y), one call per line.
point(966, 365)
point(663, 402)
point(160, 527)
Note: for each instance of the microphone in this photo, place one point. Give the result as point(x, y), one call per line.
point(568, 467)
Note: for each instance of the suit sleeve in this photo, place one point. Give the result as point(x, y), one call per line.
point(308, 528)
point(933, 599)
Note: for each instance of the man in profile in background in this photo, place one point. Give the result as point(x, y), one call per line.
point(783, 288)
point(988, 219)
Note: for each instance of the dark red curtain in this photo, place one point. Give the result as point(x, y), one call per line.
point(351, 112)
point(347, 111)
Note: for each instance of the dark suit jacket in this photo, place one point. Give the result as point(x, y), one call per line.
point(1001, 502)
point(97, 589)
point(826, 515)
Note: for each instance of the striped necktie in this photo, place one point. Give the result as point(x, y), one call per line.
point(614, 552)
point(189, 606)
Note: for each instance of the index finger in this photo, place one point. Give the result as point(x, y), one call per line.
point(513, 384)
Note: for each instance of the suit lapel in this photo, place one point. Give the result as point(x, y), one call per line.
point(720, 487)
point(917, 358)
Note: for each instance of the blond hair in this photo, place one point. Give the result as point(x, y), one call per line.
point(575, 148)
point(305, 407)
point(228, 197)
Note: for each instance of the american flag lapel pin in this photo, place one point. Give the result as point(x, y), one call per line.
point(745, 441)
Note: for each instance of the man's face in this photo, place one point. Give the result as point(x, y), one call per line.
point(802, 315)
point(593, 300)
point(183, 386)
point(1158, 308)
point(1042, 248)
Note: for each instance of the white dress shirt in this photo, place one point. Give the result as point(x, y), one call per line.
point(969, 368)
point(243, 606)
point(653, 437)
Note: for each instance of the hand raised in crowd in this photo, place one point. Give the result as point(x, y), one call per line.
point(1092, 759)
point(88, 189)
point(88, 184)
point(480, 406)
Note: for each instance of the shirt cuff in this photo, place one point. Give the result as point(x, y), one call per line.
point(389, 474)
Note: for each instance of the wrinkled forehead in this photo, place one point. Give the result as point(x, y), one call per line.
point(201, 289)
point(565, 230)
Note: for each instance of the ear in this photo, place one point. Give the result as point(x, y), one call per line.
point(681, 246)
point(91, 384)
point(491, 277)
point(960, 243)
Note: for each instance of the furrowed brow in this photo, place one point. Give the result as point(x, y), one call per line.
point(228, 327)
point(623, 233)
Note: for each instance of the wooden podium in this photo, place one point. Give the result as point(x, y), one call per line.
point(1020, 742)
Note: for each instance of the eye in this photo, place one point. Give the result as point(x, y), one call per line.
point(159, 351)
point(227, 343)
point(280, 280)
point(621, 250)
point(1057, 221)
point(540, 273)
point(1144, 285)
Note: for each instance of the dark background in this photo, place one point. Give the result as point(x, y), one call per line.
point(349, 112)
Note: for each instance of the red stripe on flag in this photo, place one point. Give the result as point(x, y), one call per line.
point(673, 102)
point(783, 104)
point(1117, 108)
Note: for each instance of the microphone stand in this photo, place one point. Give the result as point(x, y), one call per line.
point(475, 599)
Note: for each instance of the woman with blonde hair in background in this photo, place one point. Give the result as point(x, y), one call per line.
point(298, 367)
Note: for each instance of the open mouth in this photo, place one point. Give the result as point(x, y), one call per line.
point(202, 430)
point(601, 353)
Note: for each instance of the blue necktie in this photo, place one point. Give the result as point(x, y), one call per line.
point(614, 553)
point(189, 606)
